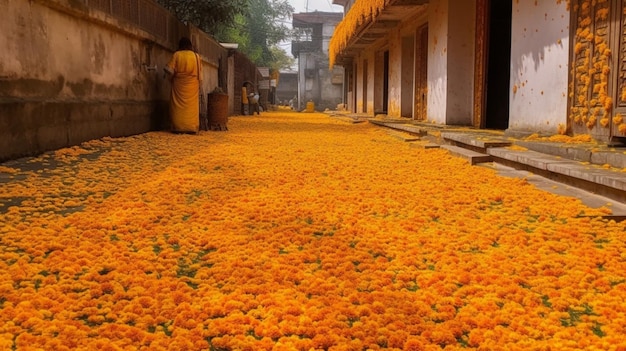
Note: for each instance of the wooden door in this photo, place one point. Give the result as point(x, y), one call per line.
point(480, 62)
point(618, 120)
point(598, 74)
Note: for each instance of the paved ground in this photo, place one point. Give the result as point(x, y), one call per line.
point(588, 198)
point(591, 171)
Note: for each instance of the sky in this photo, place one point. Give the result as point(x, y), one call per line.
point(312, 5)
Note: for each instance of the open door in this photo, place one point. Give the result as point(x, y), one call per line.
point(493, 64)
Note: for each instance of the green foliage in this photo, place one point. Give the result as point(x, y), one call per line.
point(208, 15)
point(258, 26)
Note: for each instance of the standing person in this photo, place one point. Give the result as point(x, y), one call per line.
point(185, 71)
point(253, 100)
point(244, 99)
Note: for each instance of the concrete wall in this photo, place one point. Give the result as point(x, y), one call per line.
point(287, 87)
point(395, 74)
point(315, 81)
point(437, 60)
point(539, 69)
point(70, 73)
point(461, 38)
point(451, 30)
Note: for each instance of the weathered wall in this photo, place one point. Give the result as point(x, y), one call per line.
point(437, 60)
point(539, 70)
point(316, 82)
point(331, 93)
point(287, 87)
point(450, 61)
point(395, 73)
point(70, 73)
point(461, 38)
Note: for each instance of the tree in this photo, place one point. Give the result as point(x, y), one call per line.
point(259, 30)
point(209, 15)
point(256, 25)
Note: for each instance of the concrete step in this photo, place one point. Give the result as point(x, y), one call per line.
point(347, 119)
point(406, 137)
point(422, 144)
point(472, 157)
point(412, 129)
point(608, 182)
point(477, 142)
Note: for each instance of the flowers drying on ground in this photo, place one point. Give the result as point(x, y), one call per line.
point(297, 232)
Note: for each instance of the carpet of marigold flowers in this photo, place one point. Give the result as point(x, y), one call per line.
point(297, 231)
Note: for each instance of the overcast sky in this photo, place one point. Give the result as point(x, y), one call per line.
point(312, 5)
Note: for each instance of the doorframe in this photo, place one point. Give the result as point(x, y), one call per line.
point(481, 60)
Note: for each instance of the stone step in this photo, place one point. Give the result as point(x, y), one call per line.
point(412, 129)
point(424, 145)
point(406, 137)
point(600, 180)
point(472, 157)
point(480, 142)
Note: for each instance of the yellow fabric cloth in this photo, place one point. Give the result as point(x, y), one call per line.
point(184, 99)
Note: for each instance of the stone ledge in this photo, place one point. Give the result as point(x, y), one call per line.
point(478, 141)
point(472, 157)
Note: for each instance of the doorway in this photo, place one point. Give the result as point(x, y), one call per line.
point(498, 64)
point(493, 63)
point(385, 82)
point(381, 82)
point(364, 90)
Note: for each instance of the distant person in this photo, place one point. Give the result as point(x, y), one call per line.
point(245, 102)
point(253, 100)
point(185, 71)
point(254, 103)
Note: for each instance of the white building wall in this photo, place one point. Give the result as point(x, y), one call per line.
point(395, 74)
point(327, 33)
point(461, 38)
point(539, 66)
point(437, 60)
point(451, 31)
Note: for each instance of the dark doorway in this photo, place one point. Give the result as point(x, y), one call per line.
point(498, 65)
point(385, 82)
point(364, 91)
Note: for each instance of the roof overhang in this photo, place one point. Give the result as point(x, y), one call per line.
point(378, 27)
point(341, 2)
point(306, 19)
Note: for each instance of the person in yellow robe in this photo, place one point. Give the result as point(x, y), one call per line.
point(244, 99)
point(185, 71)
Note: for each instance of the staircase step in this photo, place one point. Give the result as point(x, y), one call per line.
point(472, 157)
point(424, 145)
point(406, 137)
point(477, 141)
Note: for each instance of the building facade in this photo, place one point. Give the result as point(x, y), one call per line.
point(546, 66)
point(316, 82)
